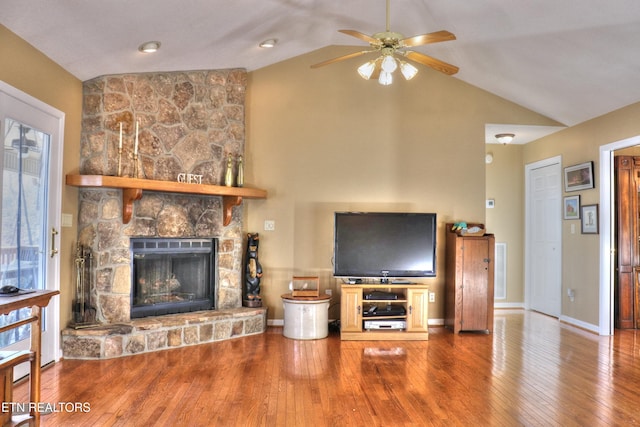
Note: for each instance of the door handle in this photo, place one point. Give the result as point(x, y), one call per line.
point(54, 251)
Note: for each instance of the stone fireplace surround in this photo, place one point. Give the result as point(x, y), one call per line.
point(189, 123)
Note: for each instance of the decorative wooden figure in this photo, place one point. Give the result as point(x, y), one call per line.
point(253, 273)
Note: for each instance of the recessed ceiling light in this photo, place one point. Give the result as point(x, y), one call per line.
point(149, 47)
point(268, 43)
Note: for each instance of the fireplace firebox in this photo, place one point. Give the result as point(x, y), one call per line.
point(172, 275)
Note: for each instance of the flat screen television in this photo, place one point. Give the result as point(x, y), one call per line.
point(384, 245)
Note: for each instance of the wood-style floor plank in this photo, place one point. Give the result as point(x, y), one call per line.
point(532, 371)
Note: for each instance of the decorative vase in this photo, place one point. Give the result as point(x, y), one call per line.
point(228, 176)
point(240, 177)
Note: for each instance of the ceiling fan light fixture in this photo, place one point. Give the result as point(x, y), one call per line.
point(385, 78)
point(389, 64)
point(505, 138)
point(408, 70)
point(149, 47)
point(366, 69)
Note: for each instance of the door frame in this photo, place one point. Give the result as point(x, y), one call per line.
point(55, 203)
point(527, 214)
point(607, 232)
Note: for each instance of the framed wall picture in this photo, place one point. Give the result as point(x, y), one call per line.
point(572, 207)
point(578, 177)
point(589, 219)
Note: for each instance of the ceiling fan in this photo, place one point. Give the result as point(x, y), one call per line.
point(389, 44)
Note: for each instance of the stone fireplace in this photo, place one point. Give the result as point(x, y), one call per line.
point(189, 122)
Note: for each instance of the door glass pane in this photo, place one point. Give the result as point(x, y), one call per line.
point(23, 231)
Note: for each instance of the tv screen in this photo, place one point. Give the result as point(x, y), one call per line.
point(381, 244)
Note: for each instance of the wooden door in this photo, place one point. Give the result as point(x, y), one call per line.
point(626, 175)
point(476, 285)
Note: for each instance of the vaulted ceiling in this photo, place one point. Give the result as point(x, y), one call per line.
point(570, 60)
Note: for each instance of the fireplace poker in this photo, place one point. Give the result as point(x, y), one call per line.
point(90, 311)
point(78, 312)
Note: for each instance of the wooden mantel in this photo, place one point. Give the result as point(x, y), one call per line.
point(132, 190)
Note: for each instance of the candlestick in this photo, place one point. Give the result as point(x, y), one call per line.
point(135, 147)
point(120, 142)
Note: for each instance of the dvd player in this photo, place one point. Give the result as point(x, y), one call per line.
point(387, 310)
point(381, 295)
point(385, 324)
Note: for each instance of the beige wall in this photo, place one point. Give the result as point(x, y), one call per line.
point(505, 184)
point(325, 140)
point(28, 70)
point(580, 252)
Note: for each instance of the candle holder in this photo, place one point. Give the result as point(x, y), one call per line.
point(138, 171)
point(135, 166)
point(120, 161)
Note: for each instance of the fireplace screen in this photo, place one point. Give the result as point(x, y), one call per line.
point(172, 276)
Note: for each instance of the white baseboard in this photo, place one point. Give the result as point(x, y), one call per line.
point(508, 305)
point(580, 324)
point(440, 322)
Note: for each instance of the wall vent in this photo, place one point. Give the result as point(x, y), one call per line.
point(500, 273)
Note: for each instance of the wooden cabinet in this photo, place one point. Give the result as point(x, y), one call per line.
point(469, 271)
point(356, 300)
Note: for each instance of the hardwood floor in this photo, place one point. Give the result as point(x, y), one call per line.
point(532, 371)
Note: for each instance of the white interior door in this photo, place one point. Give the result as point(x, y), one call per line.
point(544, 237)
point(31, 182)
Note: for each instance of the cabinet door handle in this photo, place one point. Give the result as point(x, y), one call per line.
point(358, 309)
point(410, 309)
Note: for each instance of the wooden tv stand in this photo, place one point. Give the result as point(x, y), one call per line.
point(354, 307)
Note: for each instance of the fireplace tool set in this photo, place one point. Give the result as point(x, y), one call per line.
point(84, 313)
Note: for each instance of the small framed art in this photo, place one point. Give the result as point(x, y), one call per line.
point(572, 207)
point(589, 219)
point(578, 177)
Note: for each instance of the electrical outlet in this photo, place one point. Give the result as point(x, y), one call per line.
point(328, 292)
point(432, 297)
point(269, 225)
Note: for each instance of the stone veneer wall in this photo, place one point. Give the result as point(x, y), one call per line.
point(188, 122)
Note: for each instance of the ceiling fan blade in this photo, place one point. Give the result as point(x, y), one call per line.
point(340, 58)
point(438, 36)
point(361, 36)
point(436, 64)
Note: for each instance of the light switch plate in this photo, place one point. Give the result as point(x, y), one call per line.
point(66, 220)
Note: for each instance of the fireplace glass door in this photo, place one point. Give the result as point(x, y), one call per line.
point(172, 276)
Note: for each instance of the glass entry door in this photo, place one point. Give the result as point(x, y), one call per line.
point(30, 216)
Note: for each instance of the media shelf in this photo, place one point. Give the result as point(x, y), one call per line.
point(408, 319)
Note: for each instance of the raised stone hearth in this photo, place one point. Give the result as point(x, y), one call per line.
point(161, 333)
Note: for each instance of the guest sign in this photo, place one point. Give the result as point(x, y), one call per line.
point(190, 178)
